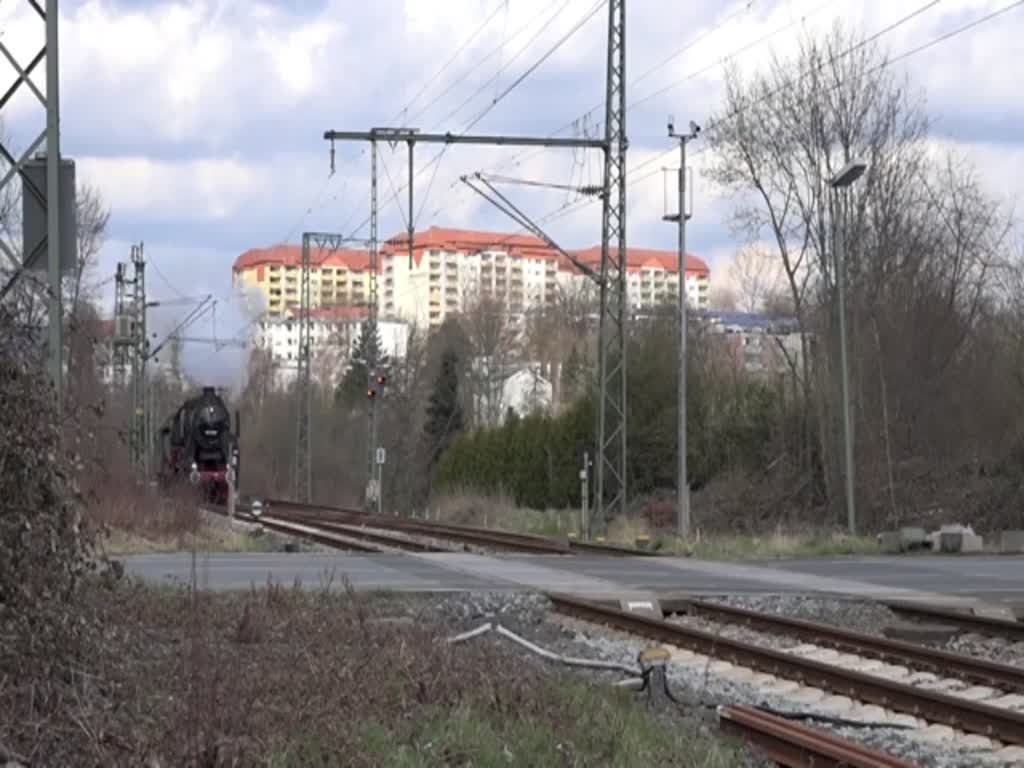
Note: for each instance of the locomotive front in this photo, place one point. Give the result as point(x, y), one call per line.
point(213, 444)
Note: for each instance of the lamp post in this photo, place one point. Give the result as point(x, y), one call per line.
point(683, 484)
point(848, 174)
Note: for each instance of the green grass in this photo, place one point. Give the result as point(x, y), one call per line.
point(775, 545)
point(578, 724)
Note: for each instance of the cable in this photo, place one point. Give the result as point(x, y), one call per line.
point(487, 58)
point(436, 158)
point(518, 157)
point(565, 210)
point(518, 81)
point(454, 56)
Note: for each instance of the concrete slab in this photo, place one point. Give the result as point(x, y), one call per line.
point(1011, 542)
point(890, 542)
point(920, 633)
point(647, 607)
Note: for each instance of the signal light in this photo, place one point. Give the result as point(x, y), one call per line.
point(371, 393)
point(381, 380)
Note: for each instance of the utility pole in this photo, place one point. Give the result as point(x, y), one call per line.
point(682, 481)
point(584, 491)
point(373, 491)
point(411, 136)
point(612, 457)
point(54, 199)
point(303, 477)
point(611, 417)
point(137, 347)
point(44, 227)
point(852, 171)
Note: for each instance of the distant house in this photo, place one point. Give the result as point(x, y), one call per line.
point(757, 344)
point(525, 388)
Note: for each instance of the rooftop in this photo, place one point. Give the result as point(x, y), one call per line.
point(467, 241)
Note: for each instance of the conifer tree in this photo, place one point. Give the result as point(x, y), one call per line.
point(444, 412)
point(367, 356)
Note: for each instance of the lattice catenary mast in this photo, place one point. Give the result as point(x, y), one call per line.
point(611, 417)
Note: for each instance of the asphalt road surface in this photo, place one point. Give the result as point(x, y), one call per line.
point(925, 577)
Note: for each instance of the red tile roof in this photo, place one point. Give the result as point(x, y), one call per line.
point(291, 256)
point(466, 240)
point(638, 258)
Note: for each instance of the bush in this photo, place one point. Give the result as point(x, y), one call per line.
point(45, 550)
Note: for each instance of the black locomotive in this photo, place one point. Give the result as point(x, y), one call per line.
point(197, 443)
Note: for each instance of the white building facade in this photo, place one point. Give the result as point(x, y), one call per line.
point(334, 333)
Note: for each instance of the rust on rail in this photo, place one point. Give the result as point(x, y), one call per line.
point(798, 746)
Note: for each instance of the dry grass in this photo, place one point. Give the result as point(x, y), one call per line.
point(133, 522)
point(779, 542)
point(284, 677)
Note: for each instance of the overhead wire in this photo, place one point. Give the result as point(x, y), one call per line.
point(436, 158)
point(566, 210)
point(518, 81)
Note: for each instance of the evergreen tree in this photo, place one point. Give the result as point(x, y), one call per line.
point(367, 356)
point(444, 413)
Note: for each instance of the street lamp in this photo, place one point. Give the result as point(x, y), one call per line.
point(848, 174)
point(683, 485)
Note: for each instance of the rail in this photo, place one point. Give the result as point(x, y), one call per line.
point(1003, 724)
point(985, 625)
point(896, 651)
point(798, 746)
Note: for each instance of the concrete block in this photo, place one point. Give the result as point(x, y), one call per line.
point(971, 542)
point(890, 542)
point(1011, 542)
point(913, 538)
point(950, 541)
point(646, 606)
point(920, 633)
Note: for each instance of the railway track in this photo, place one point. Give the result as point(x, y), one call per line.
point(322, 517)
point(798, 746)
point(996, 722)
point(983, 625)
point(969, 669)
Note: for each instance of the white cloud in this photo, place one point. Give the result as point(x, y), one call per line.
point(212, 113)
point(201, 189)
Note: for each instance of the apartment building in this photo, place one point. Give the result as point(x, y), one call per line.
point(271, 276)
point(756, 344)
point(334, 332)
point(448, 271)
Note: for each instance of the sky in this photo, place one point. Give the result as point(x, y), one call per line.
point(201, 123)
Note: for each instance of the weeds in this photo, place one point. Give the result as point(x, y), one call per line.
point(286, 676)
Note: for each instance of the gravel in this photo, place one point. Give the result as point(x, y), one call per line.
point(709, 685)
point(870, 618)
point(856, 615)
point(698, 684)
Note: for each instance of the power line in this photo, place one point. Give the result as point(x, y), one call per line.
point(518, 81)
point(518, 158)
point(447, 64)
point(436, 158)
point(565, 210)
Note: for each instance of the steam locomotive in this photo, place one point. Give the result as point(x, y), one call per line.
point(197, 442)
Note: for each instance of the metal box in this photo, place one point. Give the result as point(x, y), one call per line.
point(34, 224)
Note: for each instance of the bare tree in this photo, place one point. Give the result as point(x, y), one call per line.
point(756, 274)
point(495, 342)
point(782, 134)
